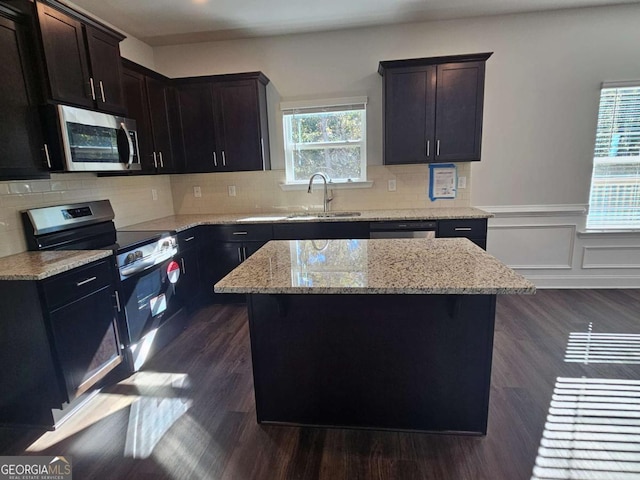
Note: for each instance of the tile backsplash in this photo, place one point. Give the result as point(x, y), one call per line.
point(260, 192)
point(131, 198)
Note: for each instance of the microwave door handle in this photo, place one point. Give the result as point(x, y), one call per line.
point(129, 155)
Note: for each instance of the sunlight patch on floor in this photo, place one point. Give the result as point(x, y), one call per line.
point(592, 431)
point(589, 347)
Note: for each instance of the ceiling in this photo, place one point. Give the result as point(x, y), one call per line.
point(165, 22)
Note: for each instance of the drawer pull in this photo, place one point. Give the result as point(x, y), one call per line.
point(189, 239)
point(463, 229)
point(240, 233)
point(184, 270)
point(84, 282)
point(118, 301)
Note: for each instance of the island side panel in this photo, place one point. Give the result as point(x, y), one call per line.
point(401, 362)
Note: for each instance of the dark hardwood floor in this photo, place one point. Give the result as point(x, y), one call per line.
point(190, 414)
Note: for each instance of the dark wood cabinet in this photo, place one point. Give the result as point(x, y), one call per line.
point(433, 109)
point(21, 141)
point(190, 289)
point(224, 122)
point(82, 59)
point(150, 101)
point(475, 229)
point(321, 230)
point(59, 339)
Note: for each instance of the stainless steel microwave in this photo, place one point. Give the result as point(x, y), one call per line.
point(95, 141)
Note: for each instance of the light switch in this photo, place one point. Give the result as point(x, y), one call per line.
point(232, 190)
point(197, 192)
point(462, 182)
point(154, 194)
point(391, 185)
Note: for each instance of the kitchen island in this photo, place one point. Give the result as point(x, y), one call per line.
point(385, 334)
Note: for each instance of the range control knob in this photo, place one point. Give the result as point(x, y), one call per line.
point(130, 258)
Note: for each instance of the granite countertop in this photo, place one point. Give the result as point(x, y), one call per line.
point(41, 265)
point(380, 266)
point(179, 223)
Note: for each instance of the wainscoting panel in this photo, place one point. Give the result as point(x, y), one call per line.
point(611, 256)
point(533, 247)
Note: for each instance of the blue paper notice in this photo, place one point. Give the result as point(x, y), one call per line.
point(443, 181)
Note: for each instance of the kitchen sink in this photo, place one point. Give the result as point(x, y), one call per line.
point(324, 214)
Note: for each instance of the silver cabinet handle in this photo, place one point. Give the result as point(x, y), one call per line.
point(428, 147)
point(244, 253)
point(117, 300)
point(155, 162)
point(215, 160)
point(438, 148)
point(262, 148)
point(102, 92)
point(463, 229)
point(93, 89)
point(46, 155)
point(240, 254)
point(240, 233)
point(161, 161)
point(224, 159)
point(84, 282)
point(189, 239)
point(184, 271)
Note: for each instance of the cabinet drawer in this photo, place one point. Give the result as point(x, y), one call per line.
point(241, 233)
point(472, 228)
point(189, 239)
point(68, 287)
point(320, 230)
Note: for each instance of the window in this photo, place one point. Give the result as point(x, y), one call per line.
point(327, 137)
point(615, 183)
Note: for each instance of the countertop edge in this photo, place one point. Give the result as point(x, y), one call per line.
point(62, 267)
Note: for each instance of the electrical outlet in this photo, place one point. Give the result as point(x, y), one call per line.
point(154, 194)
point(391, 185)
point(197, 192)
point(462, 182)
point(232, 190)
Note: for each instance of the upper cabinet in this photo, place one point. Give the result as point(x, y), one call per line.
point(224, 122)
point(433, 109)
point(22, 152)
point(82, 59)
point(151, 102)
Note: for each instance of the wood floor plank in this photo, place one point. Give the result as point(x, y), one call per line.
point(190, 414)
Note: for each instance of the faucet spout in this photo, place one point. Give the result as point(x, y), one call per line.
point(325, 179)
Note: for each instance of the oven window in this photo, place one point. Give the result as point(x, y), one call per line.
point(92, 144)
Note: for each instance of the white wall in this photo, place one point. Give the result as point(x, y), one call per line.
point(541, 100)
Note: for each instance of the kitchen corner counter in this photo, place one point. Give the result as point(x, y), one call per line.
point(41, 265)
point(380, 266)
point(180, 223)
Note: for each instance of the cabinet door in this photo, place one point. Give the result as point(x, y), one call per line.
point(409, 115)
point(65, 57)
point(158, 108)
point(241, 144)
point(459, 111)
point(86, 341)
point(190, 286)
point(21, 143)
point(198, 128)
point(135, 94)
point(104, 55)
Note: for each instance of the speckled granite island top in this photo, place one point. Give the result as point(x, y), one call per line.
point(41, 265)
point(379, 266)
point(179, 223)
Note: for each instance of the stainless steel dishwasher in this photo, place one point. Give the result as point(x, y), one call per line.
point(403, 229)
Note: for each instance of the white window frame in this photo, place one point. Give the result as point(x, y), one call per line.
point(621, 208)
point(317, 106)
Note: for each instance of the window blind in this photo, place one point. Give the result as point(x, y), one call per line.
point(615, 182)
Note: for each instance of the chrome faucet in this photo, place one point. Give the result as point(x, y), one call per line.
point(325, 179)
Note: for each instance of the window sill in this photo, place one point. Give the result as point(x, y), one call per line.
point(632, 232)
point(288, 187)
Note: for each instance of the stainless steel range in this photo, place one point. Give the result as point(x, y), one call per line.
point(149, 272)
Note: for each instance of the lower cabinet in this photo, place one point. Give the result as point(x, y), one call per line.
point(321, 230)
point(191, 287)
point(58, 339)
point(474, 229)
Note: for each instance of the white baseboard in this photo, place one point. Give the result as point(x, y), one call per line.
point(584, 281)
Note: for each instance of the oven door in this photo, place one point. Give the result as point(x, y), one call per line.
point(95, 141)
point(149, 300)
